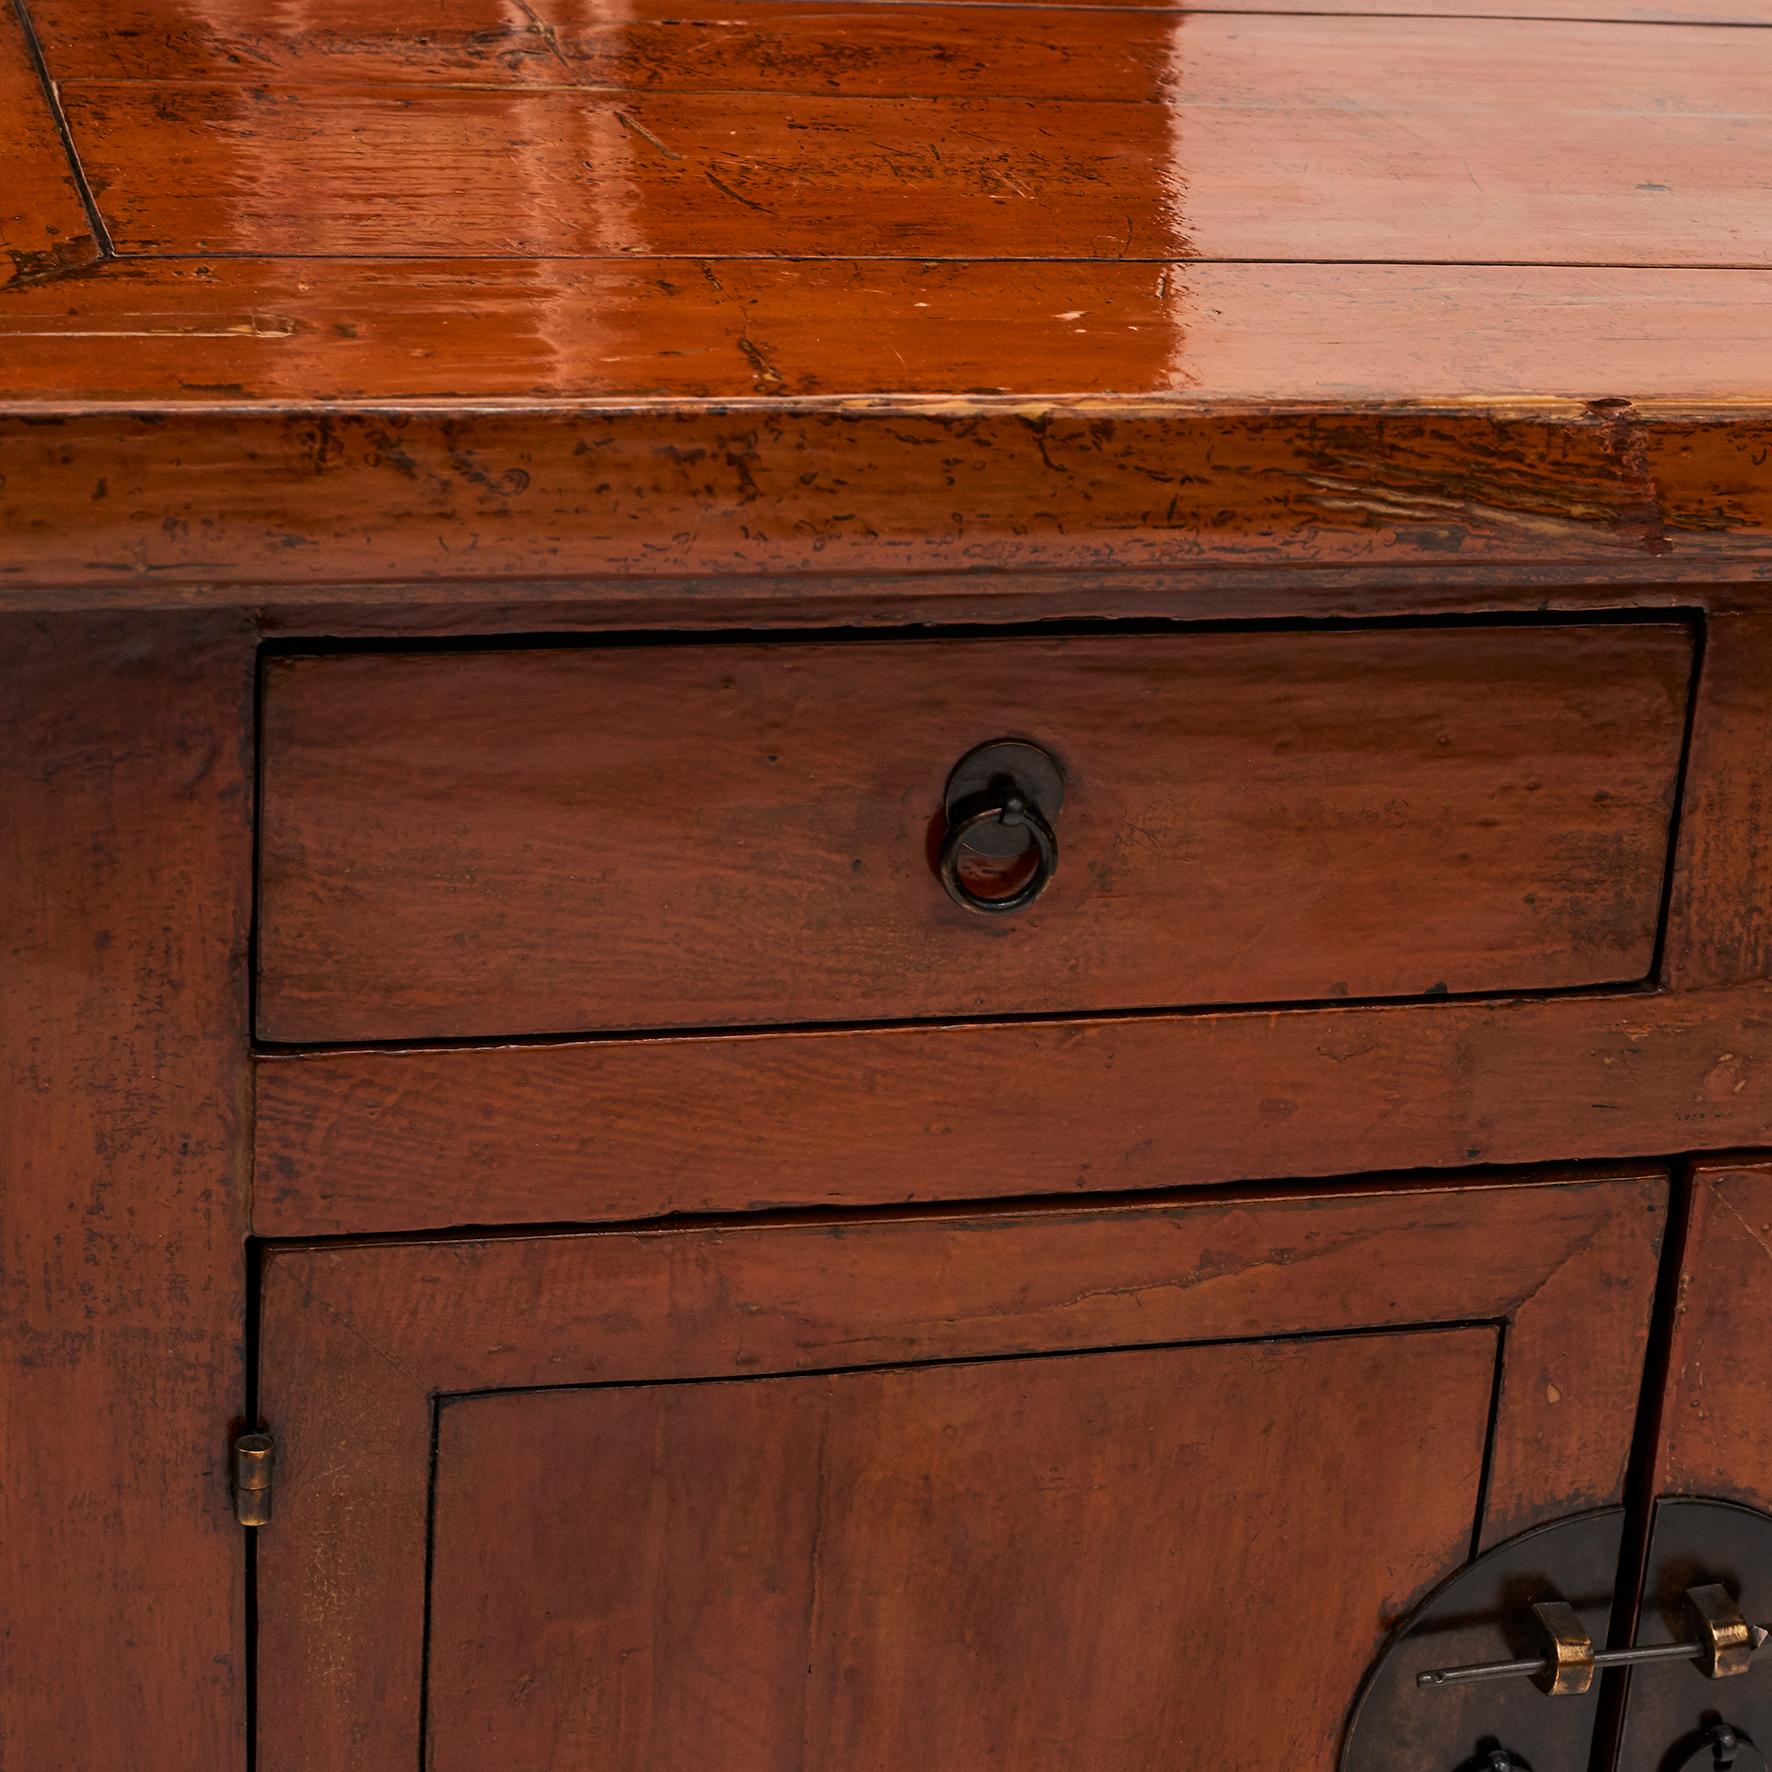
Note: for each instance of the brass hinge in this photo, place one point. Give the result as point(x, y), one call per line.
point(255, 1460)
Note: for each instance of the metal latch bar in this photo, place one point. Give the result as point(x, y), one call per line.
point(1566, 1664)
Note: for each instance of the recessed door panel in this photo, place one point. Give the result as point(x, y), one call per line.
point(1046, 1564)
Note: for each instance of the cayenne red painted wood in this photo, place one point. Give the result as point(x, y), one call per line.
point(43, 224)
point(1716, 1429)
point(1720, 914)
point(124, 901)
point(598, 333)
point(358, 1345)
point(547, 841)
point(1552, 494)
point(582, 335)
point(1405, 140)
point(595, 1131)
point(967, 1564)
point(786, 43)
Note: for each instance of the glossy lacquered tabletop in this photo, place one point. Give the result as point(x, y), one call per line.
point(1540, 211)
point(432, 198)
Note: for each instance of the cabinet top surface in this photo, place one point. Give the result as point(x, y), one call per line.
point(210, 203)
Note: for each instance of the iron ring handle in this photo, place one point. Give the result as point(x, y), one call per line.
point(1724, 1749)
point(1002, 803)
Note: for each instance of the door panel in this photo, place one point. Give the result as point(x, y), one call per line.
point(941, 1487)
point(1713, 1466)
point(1716, 1437)
point(1047, 1564)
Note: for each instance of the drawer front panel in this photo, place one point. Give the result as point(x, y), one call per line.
point(557, 840)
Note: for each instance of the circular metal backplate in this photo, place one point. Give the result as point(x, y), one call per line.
point(1478, 1615)
point(1670, 1708)
point(1034, 771)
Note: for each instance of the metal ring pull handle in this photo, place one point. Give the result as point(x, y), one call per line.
point(1009, 808)
point(1724, 1749)
point(1000, 804)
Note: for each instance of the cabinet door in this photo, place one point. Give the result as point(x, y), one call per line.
point(1044, 1489)
point(1715, 1446)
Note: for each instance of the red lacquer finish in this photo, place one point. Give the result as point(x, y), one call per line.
point(514, 842)
point(124, 1164)
point(678, 290)
point(716, 1301)
point(44, 230)
point(807, 133)
point(360, 1345)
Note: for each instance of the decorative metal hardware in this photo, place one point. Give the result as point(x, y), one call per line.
point(1670, 1713)
point(1000, 802)
point(255, 1462)
point(1484, 1612)
point(1460, 1685)
point(1724, 1749)
point(1729, 1643)
point(1566, 1660)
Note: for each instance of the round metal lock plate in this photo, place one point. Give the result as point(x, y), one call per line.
point(1476, 1615)
point(1033, 770)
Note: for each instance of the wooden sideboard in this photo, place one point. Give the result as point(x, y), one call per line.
point(909, 866)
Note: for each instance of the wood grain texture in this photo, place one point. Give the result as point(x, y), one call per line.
point(405, 40)
point(44, 228)
point(971, 1565)
point(279, 170)
point(641, 44)
point(164, 510)
point(357, 1341)
point(1720, 916)
point(541, 841)
point(1397, 139)
point(124, 902)
point(1126, 54)
point(356, 1142)
point(638, 45)
point(244, 332)
point(1716, 1433)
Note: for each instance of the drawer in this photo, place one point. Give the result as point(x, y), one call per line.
point(634, 836)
